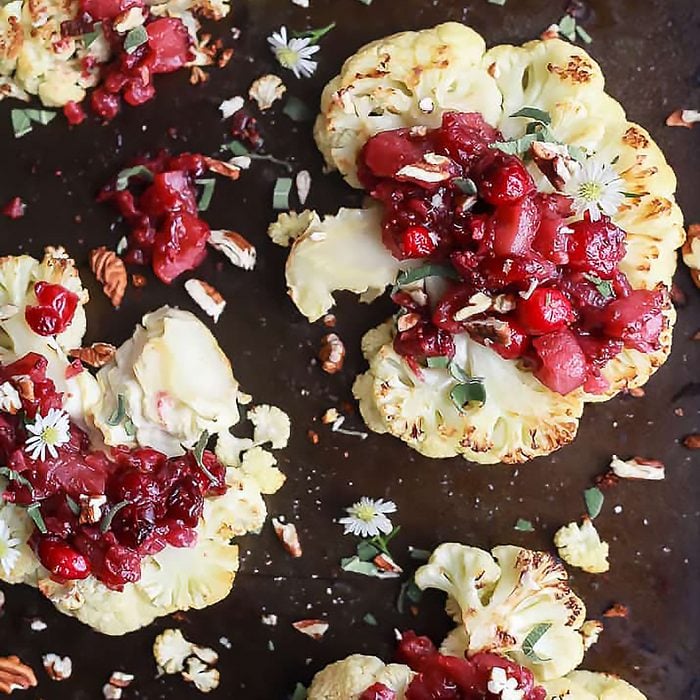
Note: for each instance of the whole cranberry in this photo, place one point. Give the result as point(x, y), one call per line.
point(54, 310)
point(465, 136)
point(415, 651)
point(517, 272)
point(180, 244)
point(562, 364)
point(134, 486)
point(388, 151)
point(552, 237)
point(417, 242)
point(596, 246)
point(544, 311)
point(502, 179)
point(185, 503)
point(64, 562)
point(424, 340)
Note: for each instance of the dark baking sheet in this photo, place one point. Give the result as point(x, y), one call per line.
point(648, 50)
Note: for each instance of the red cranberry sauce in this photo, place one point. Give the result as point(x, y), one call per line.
point(558, 297)
point(15, 208)
point(160, 205)
point(453, 678)
point(129, 75)
point(103, 512)
point(54, 310)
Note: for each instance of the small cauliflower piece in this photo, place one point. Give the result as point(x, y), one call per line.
point(349, 678)
point(501, 597)
point(259, 465)
point(581, 546)
point(229, 448)
point(591, 631)
point(272, 425)
point(175, 382)
point(691, 252)
point(589, 685)
point(203, 678)
point(341, 253)
point(170, 650)
point(290, 225)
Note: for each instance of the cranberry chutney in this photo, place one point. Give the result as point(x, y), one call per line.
point(522, 274)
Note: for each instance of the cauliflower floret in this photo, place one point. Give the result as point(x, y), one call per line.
point(691, 252)
point(168, 404)
point(591, 631)
point(271, 425)
point(229, 448)
point(520, 419)
point(342, 252)
point(349, 678)
point(259, 465)
point(581, 546)
point(503, 597)
point(290, 225)
point(588, 685)
point(170, 650)
point(203, 678)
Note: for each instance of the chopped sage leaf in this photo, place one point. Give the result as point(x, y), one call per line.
point(370, 619)
point(534, 636)
point(107, 518)
point(208, 184)
point(587, 38)
point(280, 195)
point(314, 35)
point(297, 110)
point(125, 175)
point(567, 27)
point(198, 449)
point(22, 119)
point(129, 427)
point(138, 36)
point(577, 152)
point(465, 184)
point(523, 525)
point(366, 551)
point(356, 566)
point(539, 115)
point(430, 270)
point(594, 501)
point(14, 475)
point(635, 195)
point(74, 507)
point(464, 394)
point(34, 512)
point(441, 362)
point(91, 37)
point(603, 286)
point(119, 412)
point(419, 554)
point(459, 374)
point(237, 148)
point(300, 692)
point(409, 592)
point(516, 146)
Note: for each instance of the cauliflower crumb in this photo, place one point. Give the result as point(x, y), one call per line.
point(259, 464)
point(229, 448)
point(170, 650)
point(591, 631)
point(289, 226)
point(266, 90)
point(271, 425)
point(203, 678)
point(581, 546)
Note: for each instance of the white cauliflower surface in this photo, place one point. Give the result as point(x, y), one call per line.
point(410, 80)
point(581, 546)
point(588, 685)
point(502, 599)
point(153, 367)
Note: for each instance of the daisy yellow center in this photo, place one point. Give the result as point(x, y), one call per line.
point(50, 436)
point(366, 513)
point(287, 57)
point(590, 191)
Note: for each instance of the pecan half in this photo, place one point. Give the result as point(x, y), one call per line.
point(110, 271)
point(332, 353)
point(96, 355)
point(14, 674)
point(288, 536)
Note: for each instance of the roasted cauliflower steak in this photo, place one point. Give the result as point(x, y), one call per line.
point(412, 79)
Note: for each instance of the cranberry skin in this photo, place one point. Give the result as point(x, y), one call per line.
point(544, 311)
point(185, 503)
point(55, 310)
point(15, 208)
point(517, 273)
point(107, 9)
point(465, 136)
point(138, 91)
point(171, 191)
point(389, 151)
point(424, 340)
point(64, 562)
point(180, 245)
point(104, 104)
point(596, 246)
point(417, 242)
point(169, 43)
point(552, 237)
point(378, 691)
point(133, 525)
point(415, 651)
point(517, 344)
point(514, 227)
point(454, 300)
point(563, 366)
point(502, 179)
point(74, 113)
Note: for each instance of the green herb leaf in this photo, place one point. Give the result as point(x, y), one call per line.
point(419, 554)
point(119, 412)
point(523, 525)
point(74, 507)
point(441, 362)
point(198, 449)
point(534, 636)
point(465, 184)
point(459, 374)
point(300, 691)
point(107, 518)
point(587, 38)
point(315, 35)
point(356, 566)
point(539, 115)
point(594, 501)
point(34, 512)
point(370, 619)
point(208, 184)
point(126, 174)
point(381, 542)
point(366, 551)
point(605, 287)
point(297, 110)
point(280, 195)
point(91, 37)
point(577, 152)
point(237, 148)
point(129, 427)
point(517, 146)
point(431, 270)
point(567, 27)
point(22, 119)
point(138, 36)
point(463, 394)
point(409, 591)
point(13, 475)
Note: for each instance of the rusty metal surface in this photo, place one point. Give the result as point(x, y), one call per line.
point(648, 50)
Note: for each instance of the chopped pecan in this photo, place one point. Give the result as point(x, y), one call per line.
point(692, 442)
point(110, 271)
point(96, 355)
point(14, 674)
point(206, 297)
point(288, 536)
point(332, 353)
point(617, 610)
point(235, 247)
point(311, 628)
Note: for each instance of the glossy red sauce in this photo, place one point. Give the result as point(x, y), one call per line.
point(568, 308)
point(154, 500)
point(160, 206)
point(15, 208)
point(442, 677)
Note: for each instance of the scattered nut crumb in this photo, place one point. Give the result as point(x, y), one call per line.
point(332, 353)
point(111, 692)
point(110, 271)
point(288, 536)
point(221, 168)
point(617, 610)
point(96, 355)
point(270, 620)
point(692, 442)
point(58, 668)
point(36, 625)
point(637, 392)
point(303, 185)
point(313, 436)
point(121, 679)
point(330, 416)
point(552, 32)
point(229, 107)
point(266, 90)
point(329, 321)
point(679, 412)
point(139, 281)
point(638, 468)
point(386, 563)
point(311, 628)
point(591, 631)
point(225, 642)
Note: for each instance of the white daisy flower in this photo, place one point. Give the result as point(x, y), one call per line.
point(595, 188)
point(295, 53)
point(48, 433)
point(9, 399)
point(367, 517)
point(9, 554)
